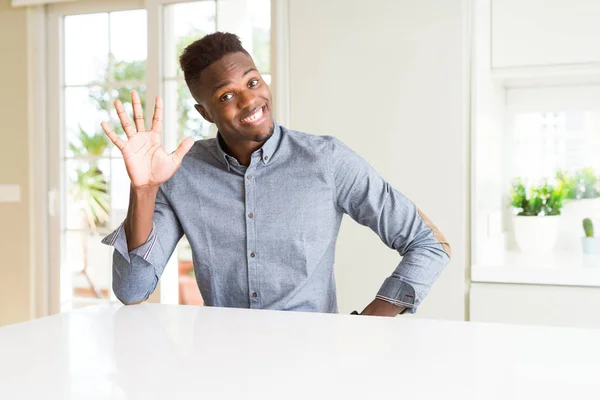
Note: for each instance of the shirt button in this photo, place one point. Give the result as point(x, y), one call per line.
point(250, 215)
point(249, 177)
point(254, 294)
point(252, 255)
point(266, 158)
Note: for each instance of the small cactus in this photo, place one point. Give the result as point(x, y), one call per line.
point(588, 227)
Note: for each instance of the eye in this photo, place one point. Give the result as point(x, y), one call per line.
point(253, 82)
point(226, 97)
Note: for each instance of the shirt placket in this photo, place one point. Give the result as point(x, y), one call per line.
point(252, 256)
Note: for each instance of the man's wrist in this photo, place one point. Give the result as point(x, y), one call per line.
point(382, 308)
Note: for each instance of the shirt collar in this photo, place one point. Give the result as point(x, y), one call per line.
point(224, 156)
point(266, 151)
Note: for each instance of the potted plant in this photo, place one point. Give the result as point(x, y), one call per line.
point(582, 200)
point(589, 242)
point(537, 220)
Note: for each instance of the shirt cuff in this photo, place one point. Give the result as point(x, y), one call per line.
point(118, 239)
point(399, 293)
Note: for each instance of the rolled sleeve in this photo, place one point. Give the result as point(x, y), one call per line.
point(366, 197)
point(118, 240)
point(397, 292)
point(136, 273)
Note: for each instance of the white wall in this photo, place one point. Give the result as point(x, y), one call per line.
point(15, 275)
point(390, 79)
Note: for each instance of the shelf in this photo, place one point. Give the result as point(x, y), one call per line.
point(559, 268)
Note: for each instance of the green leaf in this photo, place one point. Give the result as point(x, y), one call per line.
point(544, 199)
point(89, 191)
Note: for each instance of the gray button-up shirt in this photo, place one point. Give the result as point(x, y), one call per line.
point(264, 236)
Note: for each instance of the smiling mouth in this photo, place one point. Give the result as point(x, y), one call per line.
point(255, 118)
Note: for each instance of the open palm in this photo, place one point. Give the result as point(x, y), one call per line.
point(147, 163)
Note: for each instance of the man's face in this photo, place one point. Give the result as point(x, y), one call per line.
point(232, 94)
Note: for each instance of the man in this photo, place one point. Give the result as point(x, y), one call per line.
point(261, 205)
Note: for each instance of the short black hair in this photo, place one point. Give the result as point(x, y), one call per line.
point(203, 52)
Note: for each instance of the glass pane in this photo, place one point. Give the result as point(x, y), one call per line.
point(547, 142)
point(123, 93)
point(85, 110)
point(128, 45)
point(86, 48)
point(89, 263)
point(87, 196)
point(119, 192)
point(181, 118)
point(261, 34)
point(183, 24)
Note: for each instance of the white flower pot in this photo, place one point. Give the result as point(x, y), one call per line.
point(536, 235)
point(589, 245)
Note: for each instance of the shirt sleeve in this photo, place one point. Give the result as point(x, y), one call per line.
point(137, 272)
point(366, 197)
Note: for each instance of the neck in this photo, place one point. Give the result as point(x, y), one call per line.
point(242, 151)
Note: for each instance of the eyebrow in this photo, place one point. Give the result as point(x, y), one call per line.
point(222, 84)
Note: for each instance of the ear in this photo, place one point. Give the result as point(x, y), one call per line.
point(204, 113)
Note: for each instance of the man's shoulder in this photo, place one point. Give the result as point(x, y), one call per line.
point(202, 150)
point(309, 140)
point(201, 145)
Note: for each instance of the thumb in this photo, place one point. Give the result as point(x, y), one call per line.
point(182, 150)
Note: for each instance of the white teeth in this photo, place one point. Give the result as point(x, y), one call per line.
point(257, 114)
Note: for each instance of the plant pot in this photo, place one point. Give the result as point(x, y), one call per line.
point(589, 245)
point(573, 213)
point(536, 235)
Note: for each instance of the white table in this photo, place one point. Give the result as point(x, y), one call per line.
point(155, 351)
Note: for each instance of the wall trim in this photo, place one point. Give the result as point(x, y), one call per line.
point(469, 43)
point(280, 60)
point(38, 180)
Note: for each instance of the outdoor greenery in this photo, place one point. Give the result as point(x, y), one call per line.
point(189, 122)
point(89, 189)
point(92, 145)
point(582, 184)
point(90, 194)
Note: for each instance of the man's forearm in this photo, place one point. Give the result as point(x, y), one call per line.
point(138, 224)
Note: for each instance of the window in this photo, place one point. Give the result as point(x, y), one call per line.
point(106, 53)
point(99, 67)
point(550, 135)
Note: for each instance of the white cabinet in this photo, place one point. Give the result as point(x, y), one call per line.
point(535, 304)
point(545, 33)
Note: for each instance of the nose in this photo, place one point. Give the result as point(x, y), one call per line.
point(247, 100)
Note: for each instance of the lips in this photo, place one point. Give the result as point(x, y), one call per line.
point(255, 117)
